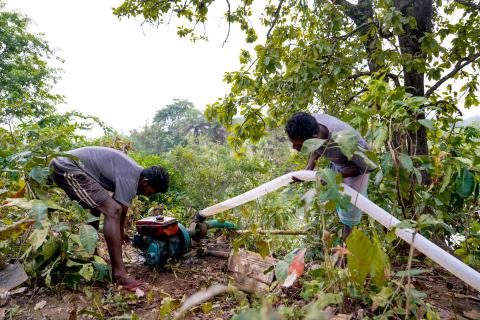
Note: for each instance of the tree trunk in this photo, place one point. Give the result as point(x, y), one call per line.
point(422, 12)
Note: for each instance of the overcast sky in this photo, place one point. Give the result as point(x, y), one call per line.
point(122, 72)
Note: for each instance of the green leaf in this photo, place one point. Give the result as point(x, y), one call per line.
point(47, 273)
point(406, 224)
point(381, 135)
point(311, 145)
point(406, 161)
point(411, 272)
point(447, 176)
point(13, 230)
point(281, 268)
point(50, 248)
point(39, 174)
point(367, 160)
point(88, 238)
point(427, 123)
point(360, 257)
point(263, 248)
point(38, 237)
point(39, 212)
point(86, 271)
point(347, 141)
point(71, 263)
point(380, 264)
point(465, 183)
point(381, 299)
point(315, 309)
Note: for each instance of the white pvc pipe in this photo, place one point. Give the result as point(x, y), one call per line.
point(422, 244)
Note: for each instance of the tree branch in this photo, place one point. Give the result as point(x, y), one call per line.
point(392, 76)
point(354, 96)
point(345, 3)
point(462, 63)
point(229, 14)
point(351, 33)
point(470, 4)
point(275, 19)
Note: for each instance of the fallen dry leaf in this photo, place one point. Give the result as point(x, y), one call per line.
point(341, 316)
point(40, 305)
point(19, 290)
point(472, 314)
point(139, 293)
point(202, 296)
point(296, 269)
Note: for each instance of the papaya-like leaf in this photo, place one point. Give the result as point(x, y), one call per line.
point(88, 238)
point(39, 174)
point(347, 141)
point(311, 145)
point(360, 257)
point(465, 183)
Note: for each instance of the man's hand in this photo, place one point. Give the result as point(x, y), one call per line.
point(296, 180)
point(349, 172)
point(312, 160)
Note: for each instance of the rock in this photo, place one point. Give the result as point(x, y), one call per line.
point(445, 314)
point(12, 276)
point(252, 265)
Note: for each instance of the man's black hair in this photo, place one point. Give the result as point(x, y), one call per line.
point(301, 125)
point(157, 177)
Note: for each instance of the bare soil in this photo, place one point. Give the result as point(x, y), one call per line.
point(449, 295)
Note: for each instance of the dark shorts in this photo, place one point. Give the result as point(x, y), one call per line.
point(78, 185)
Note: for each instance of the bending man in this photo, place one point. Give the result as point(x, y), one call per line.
point(303, 126)
point(88, 180)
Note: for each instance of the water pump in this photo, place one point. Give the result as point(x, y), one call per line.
point(163, 238)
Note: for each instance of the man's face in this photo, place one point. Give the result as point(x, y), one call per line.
point(297, 143)
point(146, 189)
point(149, 190)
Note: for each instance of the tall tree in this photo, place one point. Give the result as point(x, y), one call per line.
point(332, 56)
point(173, 125)
point(26, 78)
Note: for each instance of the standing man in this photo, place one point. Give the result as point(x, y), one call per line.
point(88, 178)
point(303, 126)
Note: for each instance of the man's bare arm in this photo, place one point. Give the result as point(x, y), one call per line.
point(312, 160)
point(350, 172)
point(125, 237)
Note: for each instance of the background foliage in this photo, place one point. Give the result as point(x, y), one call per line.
point(390, 68)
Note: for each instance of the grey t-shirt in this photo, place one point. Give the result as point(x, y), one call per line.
point(114, 170)
point(333, 153)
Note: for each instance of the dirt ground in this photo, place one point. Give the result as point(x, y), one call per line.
point(452, 299)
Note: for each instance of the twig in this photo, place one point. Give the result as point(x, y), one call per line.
point(229, 22)
point(392, 76)
point(463, 62)
point(277, 232)
point(397, 176)
point(469, 4)
point(351, 33)
point(275, 19)
point(355, 95)
point(409, 278)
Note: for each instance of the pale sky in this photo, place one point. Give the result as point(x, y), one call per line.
point(122, 72)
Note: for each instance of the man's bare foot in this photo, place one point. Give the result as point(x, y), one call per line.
point(131, 283)
point(125, 238)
